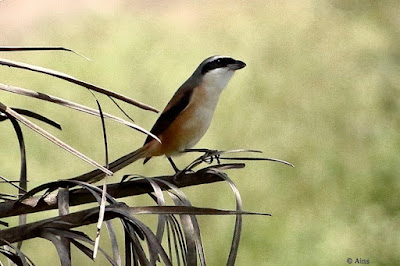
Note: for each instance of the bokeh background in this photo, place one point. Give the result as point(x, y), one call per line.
point(321, 90)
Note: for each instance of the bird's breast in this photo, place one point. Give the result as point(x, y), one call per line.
point(191, 125)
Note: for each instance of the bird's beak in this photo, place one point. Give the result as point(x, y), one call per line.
point(237, 65)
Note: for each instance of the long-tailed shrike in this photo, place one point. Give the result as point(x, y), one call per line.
point(186, 117)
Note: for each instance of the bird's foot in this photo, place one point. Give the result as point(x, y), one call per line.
point(211, 155)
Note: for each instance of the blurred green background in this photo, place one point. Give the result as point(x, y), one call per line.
point(321, 90)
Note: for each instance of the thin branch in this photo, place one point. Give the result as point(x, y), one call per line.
point(12, 183)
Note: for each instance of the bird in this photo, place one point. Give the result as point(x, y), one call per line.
point(186, 117)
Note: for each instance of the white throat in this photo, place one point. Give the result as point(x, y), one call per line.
point(217, 79)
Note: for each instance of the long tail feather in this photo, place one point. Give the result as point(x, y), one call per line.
point(96, 175)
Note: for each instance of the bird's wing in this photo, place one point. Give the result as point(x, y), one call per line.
point(175, 106)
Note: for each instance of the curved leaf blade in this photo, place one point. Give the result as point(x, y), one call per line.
point(52, 138)
point(71, 79)
point(72, 105)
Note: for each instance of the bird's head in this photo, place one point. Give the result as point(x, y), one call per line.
point(216, 71)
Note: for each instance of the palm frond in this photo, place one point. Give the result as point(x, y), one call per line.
point(177, 225)
point(176, 237)
point(51, 137)
point(38, 48)
point(63, 76)
point(72, 105)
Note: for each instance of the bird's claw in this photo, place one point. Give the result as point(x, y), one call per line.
point(210, 155)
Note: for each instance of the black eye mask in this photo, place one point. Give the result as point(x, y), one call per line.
point(217, 63)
